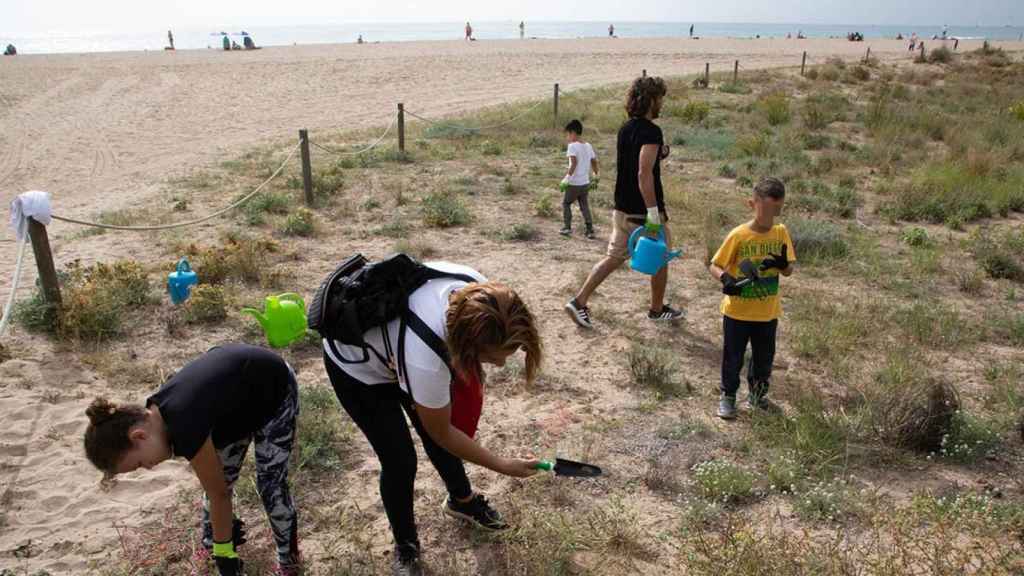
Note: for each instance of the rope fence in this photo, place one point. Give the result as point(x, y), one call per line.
point(363, 150)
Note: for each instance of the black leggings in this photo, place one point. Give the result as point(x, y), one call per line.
point(377, 410)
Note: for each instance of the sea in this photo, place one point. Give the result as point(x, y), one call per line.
point(405, 32)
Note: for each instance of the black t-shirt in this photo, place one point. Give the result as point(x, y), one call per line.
point(228, 393)
point(635, 133)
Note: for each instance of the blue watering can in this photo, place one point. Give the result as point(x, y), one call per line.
point(648, 255)
point(180, 282)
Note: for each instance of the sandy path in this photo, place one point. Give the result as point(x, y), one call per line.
point(102, 131)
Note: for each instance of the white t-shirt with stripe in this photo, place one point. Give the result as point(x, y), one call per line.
point(429, 380)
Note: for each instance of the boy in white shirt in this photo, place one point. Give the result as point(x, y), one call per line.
point(576, 184)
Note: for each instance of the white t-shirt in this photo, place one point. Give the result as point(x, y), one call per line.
point(429, 380)
point(584, 153)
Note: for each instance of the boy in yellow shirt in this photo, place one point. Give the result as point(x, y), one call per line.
point(751, 307)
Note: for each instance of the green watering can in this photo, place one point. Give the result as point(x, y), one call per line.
point(283, 318)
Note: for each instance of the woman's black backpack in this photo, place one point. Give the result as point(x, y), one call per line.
point(360, 295)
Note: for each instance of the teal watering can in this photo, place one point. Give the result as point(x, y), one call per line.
point(649, 255)
point(180, 282)
point(283, 318)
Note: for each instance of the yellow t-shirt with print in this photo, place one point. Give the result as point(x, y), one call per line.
point(759, 301)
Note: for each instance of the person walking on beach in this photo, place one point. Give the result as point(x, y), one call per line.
point(427, 366)
point(208, 413)
point(639, 199)
point(469, 31)
point(577, 182)
point(691, 30)
point(611, 30)
point(522, 29)
point(170, 39)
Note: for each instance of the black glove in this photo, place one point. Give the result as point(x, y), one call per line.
point(780, 261)
point(228, 566)
point(729, 286)
point(238, 532)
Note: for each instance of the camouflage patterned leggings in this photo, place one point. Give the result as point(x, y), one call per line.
point(273, 448)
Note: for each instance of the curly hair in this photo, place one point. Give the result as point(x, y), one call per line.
point(106, 437)
point(642, 94)
point(489, 317)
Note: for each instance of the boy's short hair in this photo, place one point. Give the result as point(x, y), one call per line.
point(770, 188)
point(575, 127)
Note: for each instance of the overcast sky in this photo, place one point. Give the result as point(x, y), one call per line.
point(41, 17)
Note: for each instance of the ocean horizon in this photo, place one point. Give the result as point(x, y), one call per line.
point(189, 39)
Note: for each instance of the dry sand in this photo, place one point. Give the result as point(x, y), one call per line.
point(104, 131)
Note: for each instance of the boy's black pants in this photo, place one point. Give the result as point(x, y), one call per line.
point(761, 336)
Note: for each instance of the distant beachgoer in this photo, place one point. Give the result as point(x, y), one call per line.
point(899, 36)
point(249, 44)
point(235, 46)
point(800, 35)
point(913, 42)
point(170, 39)
point(522, 29)
point(956, 43)
point(360, 39)
point(611, 31)
point(469, 31)
point(10, 50)
point(789, 36)
point(691, 30)
point(945, 32)
point(227, 42)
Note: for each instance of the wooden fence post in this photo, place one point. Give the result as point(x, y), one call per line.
point(867, 58)
point(556, 106)
point(707, 74)
point(803, 64)
point(922, 53)
point(307, 169)
point(401, 127)
point(44, 261)
point(736, 72)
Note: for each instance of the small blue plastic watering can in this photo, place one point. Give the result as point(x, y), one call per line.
point(180, 282)
point(649, 255)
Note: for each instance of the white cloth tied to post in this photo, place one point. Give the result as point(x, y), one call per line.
point(33, 204)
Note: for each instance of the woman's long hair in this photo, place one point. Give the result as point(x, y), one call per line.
point(491, 317)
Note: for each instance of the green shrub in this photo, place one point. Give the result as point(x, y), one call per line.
point(817, 240)
point(776, 109)
point(96, 299)
point(823, 501)
point(327, 183)
point(417, 248)
point(239, 258)
point(265, 203)
point(727, 171)
point(721, 481)
point(713, 143)
point(936, 325)
point(969, 439)
point(734, 88)
point(35, 314)
point(207, 304)
point(905, 408)
point(999, 258)
point(444, 210)
point(757, 145)
point(653, 368)
point(544, 206)
point(522, 232)
point(829, 73)
point(816, 141)
point(396, 228)
point(857, 74)
point(941, 55)
point(492, 149)
point(299, 223)
point(943, 193)
point(1017, 111)
point(448, 131)
point(916, 237)
point(696, 112)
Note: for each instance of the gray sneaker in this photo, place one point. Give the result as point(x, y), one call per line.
point(727, 407)
point(579, 314)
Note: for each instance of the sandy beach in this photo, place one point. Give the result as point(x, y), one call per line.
point(107, 131)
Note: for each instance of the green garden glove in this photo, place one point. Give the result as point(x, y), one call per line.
point(594, 183)
point(564, 184)
point(653, 224)
point(227, 560)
